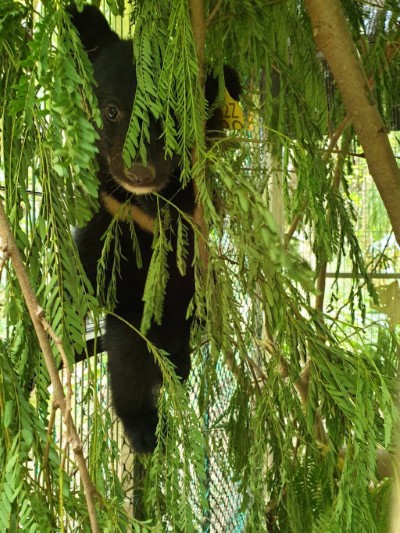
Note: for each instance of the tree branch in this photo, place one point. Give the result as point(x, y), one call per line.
point(301, 386)
point(333, 39)
point(9, 246)
point(199, 36)
point(213, 12)
point(321, 280)
point(293, 226)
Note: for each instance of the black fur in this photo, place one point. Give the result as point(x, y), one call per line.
point(135, 377)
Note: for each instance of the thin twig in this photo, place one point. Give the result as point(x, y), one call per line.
point(213, 12)
point(45, 462)
point(321, 281)
point(3, 260)
point(66, 368)
point(293, 226)
point(301, 386)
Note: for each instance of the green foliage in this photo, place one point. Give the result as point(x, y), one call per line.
point(167, 85)
point(157, 278)
point(295, 464)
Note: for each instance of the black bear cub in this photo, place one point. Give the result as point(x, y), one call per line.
point(127, 192)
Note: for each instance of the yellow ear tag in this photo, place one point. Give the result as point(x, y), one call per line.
point(232, 113)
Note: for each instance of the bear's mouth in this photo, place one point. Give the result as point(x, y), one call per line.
point(139, 179)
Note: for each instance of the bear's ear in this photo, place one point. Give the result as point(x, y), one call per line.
point(93, 29)
point(232, 82)
point(232, 85)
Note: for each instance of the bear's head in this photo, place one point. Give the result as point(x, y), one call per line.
point(115, 75)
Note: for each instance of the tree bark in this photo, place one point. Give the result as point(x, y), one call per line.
point(333, 39)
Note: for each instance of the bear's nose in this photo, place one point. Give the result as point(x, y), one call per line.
point(139, 174)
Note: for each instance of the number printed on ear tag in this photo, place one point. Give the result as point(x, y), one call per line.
point(232, 113)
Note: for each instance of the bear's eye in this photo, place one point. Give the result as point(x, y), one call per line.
point(112, 112)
